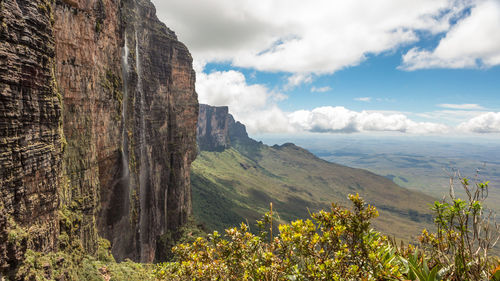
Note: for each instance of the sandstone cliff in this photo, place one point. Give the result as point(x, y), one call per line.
point(98, 119)
point(217, 129)
point(30, 132)
point(212, 132)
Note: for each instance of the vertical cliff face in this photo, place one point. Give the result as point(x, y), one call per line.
point(217, 129)
point(161, 114)
point(97, 117)
point(237, 132)
point(212, 131)
point(30, 132)
point(130, 114)
point(88, 71)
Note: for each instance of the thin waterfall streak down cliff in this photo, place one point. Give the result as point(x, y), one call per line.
point(77, 126)
point(143, 236)
point(125, 177)
point(124, 151)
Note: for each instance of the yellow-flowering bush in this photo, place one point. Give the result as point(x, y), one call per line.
point(335, 245)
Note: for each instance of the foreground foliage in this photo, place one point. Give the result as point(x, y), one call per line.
point(340, 245)
point(75, 265)
point(332, 245)
point(72, 262)
point(466, 233)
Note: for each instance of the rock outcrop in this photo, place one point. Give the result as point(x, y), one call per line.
point(30, 132)
point(98, 117)
point(237, 131)
point(161, 111)
point(212, 132)
point(217, 129)
point(88, 45)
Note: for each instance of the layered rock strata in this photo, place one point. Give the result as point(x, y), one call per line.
point(212, 131)
point(217, 130)
point(89, 127)
point(88, 71)
point(162, 112)
point(30, 131)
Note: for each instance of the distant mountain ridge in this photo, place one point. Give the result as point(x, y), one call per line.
point(235, 178)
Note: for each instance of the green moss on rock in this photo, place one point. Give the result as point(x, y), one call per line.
point(112, 84)
point(188, 233)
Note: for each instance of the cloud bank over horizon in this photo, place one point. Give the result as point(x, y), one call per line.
point(255, 106)
point(484, 124)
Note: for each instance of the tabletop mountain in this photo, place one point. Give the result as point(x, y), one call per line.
point(234, 178)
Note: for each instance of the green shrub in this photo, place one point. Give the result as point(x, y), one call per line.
point(335, 245)
point(465, 234)
point(339, 245)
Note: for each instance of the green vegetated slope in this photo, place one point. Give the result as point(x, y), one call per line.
point(421, 164)
point(429, 174)
point(237, 185)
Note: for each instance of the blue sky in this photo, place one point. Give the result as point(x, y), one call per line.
point(386, 87)
point(429, 67)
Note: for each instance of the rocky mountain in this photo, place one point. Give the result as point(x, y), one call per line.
point(217, 128)
point(236, 184)
point(98, 120)
point(212, 130)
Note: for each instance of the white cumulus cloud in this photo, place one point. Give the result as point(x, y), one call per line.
point(341, 120)
point(485, 123)
point(302, 37)
point(298, 79)
point(252, 104)
point(473, 42)
point(256, 106)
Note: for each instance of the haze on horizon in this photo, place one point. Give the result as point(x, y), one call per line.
point(390, 67)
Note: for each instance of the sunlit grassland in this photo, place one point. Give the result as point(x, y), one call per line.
point(234, 186)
